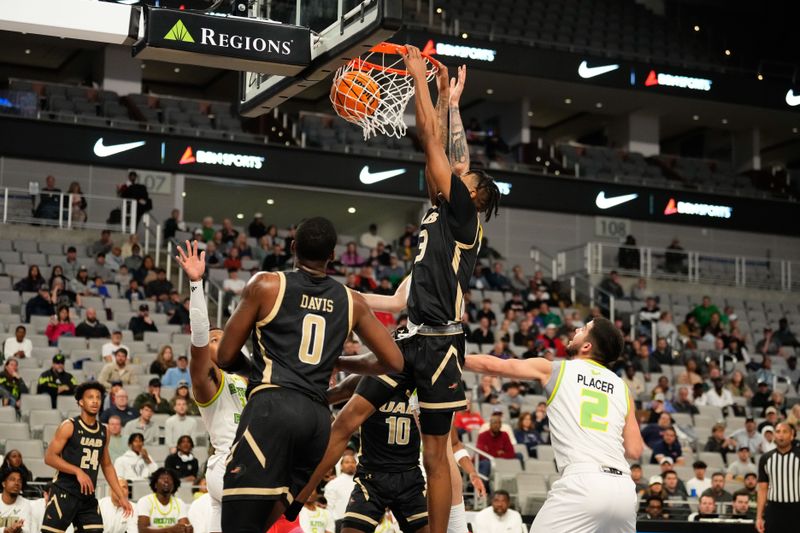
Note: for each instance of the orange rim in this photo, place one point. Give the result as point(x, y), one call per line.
point(389, 48)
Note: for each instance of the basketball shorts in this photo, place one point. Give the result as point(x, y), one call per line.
point(65, 509)
point(281, 439)
point(402, 492)
point(433, 366)
point(585, 500)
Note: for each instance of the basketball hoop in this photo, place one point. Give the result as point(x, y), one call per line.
point(373, 91)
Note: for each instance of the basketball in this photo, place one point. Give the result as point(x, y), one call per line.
point(355, 95)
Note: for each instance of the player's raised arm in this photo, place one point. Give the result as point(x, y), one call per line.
point(52, 457)
point(205, 374)
point(375, 336)
point(390, 304)
point(258, 297)
point(344, 389)
point(437, 170)
point(443, 102)
point(113, 482)
point(459, 150)
point(527, 369)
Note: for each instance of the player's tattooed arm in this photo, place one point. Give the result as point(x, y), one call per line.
point(539, 369)
point(343, 390)
point(442, 102)
point(459, 150)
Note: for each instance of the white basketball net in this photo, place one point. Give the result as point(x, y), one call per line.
point(385, 66)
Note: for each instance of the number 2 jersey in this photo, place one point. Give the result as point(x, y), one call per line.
point(449, 239)
point(83, 449)
point(587, 408)
point(298, 343)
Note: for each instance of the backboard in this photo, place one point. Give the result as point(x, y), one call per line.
point(340, 30)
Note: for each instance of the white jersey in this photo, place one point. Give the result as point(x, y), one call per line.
point(10, 514)
point(221, 414)
point(161, 516)
point(587, 408)
point(317, 521)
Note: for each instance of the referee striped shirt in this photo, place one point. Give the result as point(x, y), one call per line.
point(782, 472)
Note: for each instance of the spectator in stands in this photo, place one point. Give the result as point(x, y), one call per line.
point(546, 317)
point(109, 348)
point(138, 192)
point(119, 408)
point(60, 324)
point(114, 259)
point(499, 517)
point(179, 423)
point(32, 282)
point(173, 224)
point(182, 461)
point(257, 229)
point(169, 305)
point(633, 380)
point(653, 433)
point(113, 515)
point(628, 255)
point(15, 510)
point(350, 257)
point(699, 483)
point(70, 265)
point(141, 323)
point(394, 271)
point(12, 384)
point(467, 420)
point(689, 376)
point(646, 362)
point(778, 401)
point(511, 397)
point(101, 246)
point(143, 425)
point(100, 268)
point(640, 292)
point(611, 286)
point(515, 304)
point(738, 386)
point(717, 490)
point(690, 329)
point(118, 370)
point(482, 335)
point(674, 258)
point(518, 280)
point(761, 398)
point(748, 437)
point(116, 442)
point(159, 288)
point(49, 200)
point(494, 442)
point(648, 315)
point(751, 486)
point(668, 447)
point(487, 312)
point(135, 464)
point(743, 465)
point(718, 442)
point(768, 344)
point(78, 202)
point(525, 333)
point(338, 490)
point(146, 272)
point(18, 346)
point(91, 328)
point(526, 433)
point(488, 392)
point(706, 508)
point(134, 261)
point(245, 251)
point(370, 238)
point(207, 229)
point(275, 261)
point(769, 444)
point(538, 288)
point(153, 397)
point(654, 509)
point(181, 315)
point(179, 373)
point(784, 336)
point(704, 311)
point(791, 372)
point(365, 281)
point(741, 506)
point(676, 492)
point(666, 328)
point(229, 233)
point(497, 278)
point(771, 416)
point(13, 459)
point(636, 477)
point(163, 361)
point(718, 395)
point(39, 305)
point(134, 292)
point(123, 279)
point(234, 260)
point(662, 352)
point(214, 257)
point(684, 402)
point(549, 340)
point(182, 391)
point(56, 381)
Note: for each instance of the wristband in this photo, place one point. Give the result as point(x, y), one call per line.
point(460, 454)
point(198, 314)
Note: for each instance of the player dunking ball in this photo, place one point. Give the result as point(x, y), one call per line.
point(299, 321)
point(449, 240)
point(220, 396)
point(78, 450)
point(592, 428)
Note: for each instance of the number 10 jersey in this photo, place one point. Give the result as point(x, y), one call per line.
point(298, 343)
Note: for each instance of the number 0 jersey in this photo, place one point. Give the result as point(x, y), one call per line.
point(298, 343)
point(390, 438)
point(587, 408)
point(449, 239)
point(221, 414)
point(83, 449)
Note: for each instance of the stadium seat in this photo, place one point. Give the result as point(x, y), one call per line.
point(15, 431)
point(67, 406)
point(39, 418)
point(504, 472)
point(38, 469)
point(545, 453)
point(713, 460)
point(539, 466)
point(67, 344)
point(7, 414)
point(532, 491)
point(33, 402)
point(28, 447)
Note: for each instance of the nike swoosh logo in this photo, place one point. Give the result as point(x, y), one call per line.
point(368, 178)
point(102, 150)
point(792, 99)
point(606, 203)
point(585, 71)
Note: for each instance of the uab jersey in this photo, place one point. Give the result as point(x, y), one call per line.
point(390, 438)
point(449, 239)
point(83, 449)
point(298, 343)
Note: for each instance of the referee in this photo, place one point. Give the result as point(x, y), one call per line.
point(779, 484)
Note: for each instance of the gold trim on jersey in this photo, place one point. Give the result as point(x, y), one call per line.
point(266, 376)
point(453, 351)
point(386, 379)
point(216, 394)
point(255, 447)
point(359, 516)
point(416, 516)
point(94, 526)
point(262, 387)
point(54, 499)
point(459, 303)
point(349, 310)
point(442, 405)
point(363, 488)
point(87, 428)
point(54, 530)
point(258, 491)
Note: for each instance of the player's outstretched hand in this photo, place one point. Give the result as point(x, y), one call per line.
point(85, 482)
point(443, 80)
point(477, 482)
point(415, 64)
point(457, 85)
point(191, 262)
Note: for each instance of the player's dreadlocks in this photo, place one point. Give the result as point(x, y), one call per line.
point(488, 193)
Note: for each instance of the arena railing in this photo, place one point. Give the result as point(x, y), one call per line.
point(25, 206)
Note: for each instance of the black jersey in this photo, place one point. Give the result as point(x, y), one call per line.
point(84, 449)
point(390, 438)
point(449, 239)
point(298, 343)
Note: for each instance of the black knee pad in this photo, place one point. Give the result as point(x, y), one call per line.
point(432, 423)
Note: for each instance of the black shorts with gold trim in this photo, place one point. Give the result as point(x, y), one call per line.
point(65, 509)
point(434, 358)
point(281, 439)
point(402, 492)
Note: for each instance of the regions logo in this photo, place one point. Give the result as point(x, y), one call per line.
point(179, 33)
